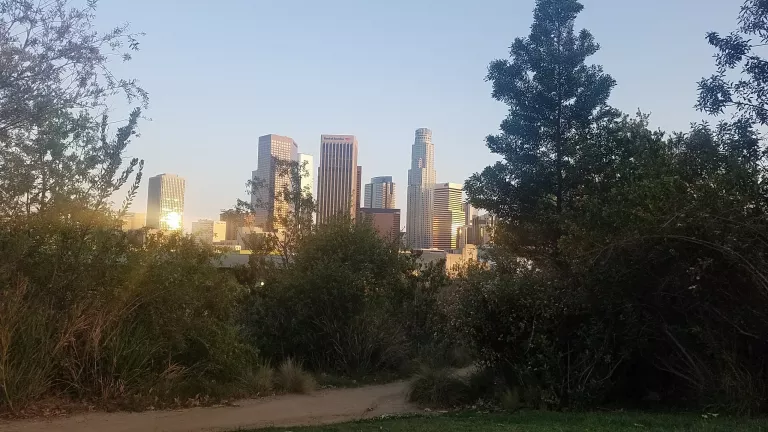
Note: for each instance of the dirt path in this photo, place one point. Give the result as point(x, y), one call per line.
point(321, 407)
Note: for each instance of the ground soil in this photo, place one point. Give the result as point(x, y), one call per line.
point(321, 407)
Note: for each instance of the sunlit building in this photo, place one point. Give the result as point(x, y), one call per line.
point(448, 215)
point(209, 231)
point(133, 221)
point(380, 193)
point(337, 177)
point(421, 180)
point(165, 202)
point(271, 178)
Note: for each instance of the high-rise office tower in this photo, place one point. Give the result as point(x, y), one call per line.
point(469, 213)
point(165, 202)
point(271, 178)
point(448, 215)
point(421, 180)
point(307, 163)
point(209, 231)
point(337, 177)
point(380, 193)
point(358, 190)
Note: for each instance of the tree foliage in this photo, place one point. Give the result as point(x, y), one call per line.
point(555, 103)
point(739, 52)
point(660, 283)
point(55, 82)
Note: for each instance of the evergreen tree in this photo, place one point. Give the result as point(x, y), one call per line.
point(555, 103)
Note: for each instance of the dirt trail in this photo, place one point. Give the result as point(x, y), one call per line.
point(321, 407)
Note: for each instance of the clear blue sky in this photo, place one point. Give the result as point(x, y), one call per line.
point(220, 74)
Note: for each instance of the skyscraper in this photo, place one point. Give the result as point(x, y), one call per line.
point(165, 202)
point(307, 182)
point(469, 213)
point(337, 177)
point(380, 193)
point(271, 178)
point(448, 215)
point(421, 180)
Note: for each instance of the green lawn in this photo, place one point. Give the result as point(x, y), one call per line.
point(535, 421)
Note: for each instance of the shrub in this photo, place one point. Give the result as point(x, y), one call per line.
point(260, 380)
point(292, 378)
point(349, 303)
point(86, 312)
point(440, 388)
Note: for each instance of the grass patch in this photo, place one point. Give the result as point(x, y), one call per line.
point(538, 421)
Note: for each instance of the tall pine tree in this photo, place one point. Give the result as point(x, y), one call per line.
point(555, 103)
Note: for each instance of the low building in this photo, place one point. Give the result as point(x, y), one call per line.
point(455, 259)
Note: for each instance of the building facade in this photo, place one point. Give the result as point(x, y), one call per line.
point(165, 202)
point(271, 178)
point(421, 180)
point(337, 177)
point(133, 221)
point(235, 220)
point(386, 221)
point(380, 193)
point(469, 213)
point(209, 231)
point(480, 231)
point(448, 215)
point(358, 190)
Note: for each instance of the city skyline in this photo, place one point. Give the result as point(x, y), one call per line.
point(446, 92)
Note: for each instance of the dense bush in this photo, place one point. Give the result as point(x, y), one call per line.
point(347, 303)
point(87, 311)
point(659, 293)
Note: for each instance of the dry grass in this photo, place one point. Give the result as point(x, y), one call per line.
point(292, 378)
point(260, 381)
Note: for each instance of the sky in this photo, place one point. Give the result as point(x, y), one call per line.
point(221, 74)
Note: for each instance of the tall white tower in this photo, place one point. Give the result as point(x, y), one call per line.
point(421, 181)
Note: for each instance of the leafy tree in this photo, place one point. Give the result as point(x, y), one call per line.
point(55, 81)
point(290, 212)
point(746, 95)
point(555, 103)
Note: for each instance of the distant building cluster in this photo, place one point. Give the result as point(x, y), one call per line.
point(439, 221)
